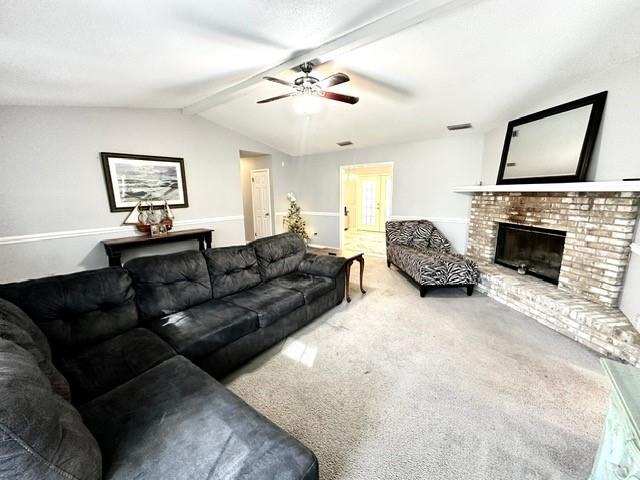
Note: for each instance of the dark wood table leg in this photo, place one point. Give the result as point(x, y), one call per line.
point(114, 256)
point(347, 277)
point(361, 262)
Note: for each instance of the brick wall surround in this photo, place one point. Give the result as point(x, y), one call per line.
point(599, 226)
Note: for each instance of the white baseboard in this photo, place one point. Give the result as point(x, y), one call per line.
point(315, 245)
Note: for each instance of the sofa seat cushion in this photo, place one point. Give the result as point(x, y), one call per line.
point(310, 286)
point(41, 435)
point(433, 267)
point(158, 427)
point(99, 368)
point(171, 283)
point(269, 301)
point(232, 269)
point(203, 329)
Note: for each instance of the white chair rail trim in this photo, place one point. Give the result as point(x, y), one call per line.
point(120, 230)
point(316, 214)
point(431, 219)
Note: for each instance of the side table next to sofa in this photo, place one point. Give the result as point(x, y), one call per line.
point(351, 256)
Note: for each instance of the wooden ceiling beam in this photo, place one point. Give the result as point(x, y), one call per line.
point(401, 19)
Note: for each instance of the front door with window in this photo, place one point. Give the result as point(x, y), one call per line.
point(373, 192)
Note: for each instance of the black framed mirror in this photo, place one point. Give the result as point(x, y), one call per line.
point(553, 145)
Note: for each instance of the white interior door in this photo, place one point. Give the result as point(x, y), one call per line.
point(261, 202)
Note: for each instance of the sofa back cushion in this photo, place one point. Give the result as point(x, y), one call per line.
point(17, 327)
point(12, 315)
point(78, 309)
point(166, 284)
point(232, 269)
point(279, 254)
point(420, 234)
point(42, 435)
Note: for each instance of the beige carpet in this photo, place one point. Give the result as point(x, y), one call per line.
point(393, 386)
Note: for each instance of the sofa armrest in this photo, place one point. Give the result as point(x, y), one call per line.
point(325, 265)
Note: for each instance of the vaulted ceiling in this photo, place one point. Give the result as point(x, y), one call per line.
point(477, 61)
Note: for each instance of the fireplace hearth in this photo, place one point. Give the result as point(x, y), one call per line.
point(531, 250)
point(599, 230)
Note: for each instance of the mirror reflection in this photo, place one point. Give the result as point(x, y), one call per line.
point(549, 146)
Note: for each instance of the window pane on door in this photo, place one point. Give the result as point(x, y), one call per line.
point(369, 202)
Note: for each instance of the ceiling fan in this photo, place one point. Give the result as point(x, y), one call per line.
point(308, 85)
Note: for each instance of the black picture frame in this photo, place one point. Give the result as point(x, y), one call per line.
point(117, 204)
point(597, 101)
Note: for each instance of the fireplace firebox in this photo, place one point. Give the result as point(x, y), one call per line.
point(531, 250)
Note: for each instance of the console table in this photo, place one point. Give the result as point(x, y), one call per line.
point(619, 453)
point(115, 246)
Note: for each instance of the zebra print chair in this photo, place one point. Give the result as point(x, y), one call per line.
point(418, 249)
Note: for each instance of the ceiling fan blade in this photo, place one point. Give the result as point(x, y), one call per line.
point(340, 97)
point(267, 100)
point(277, 80)
point(335, 79)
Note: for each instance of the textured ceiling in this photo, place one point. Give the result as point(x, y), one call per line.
point(160, 53)
point(474, 64)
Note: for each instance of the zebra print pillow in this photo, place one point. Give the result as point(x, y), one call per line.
point(439, 242)
point(422, 234)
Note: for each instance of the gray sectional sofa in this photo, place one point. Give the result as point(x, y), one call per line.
point(111, 373)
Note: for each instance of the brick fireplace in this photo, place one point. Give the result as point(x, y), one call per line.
point(599, 230)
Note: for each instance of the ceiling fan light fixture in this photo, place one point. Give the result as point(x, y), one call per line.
point(307, 104)
point(310, 87)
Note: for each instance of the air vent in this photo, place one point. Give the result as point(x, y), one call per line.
point(460, 126)
point(346, 143)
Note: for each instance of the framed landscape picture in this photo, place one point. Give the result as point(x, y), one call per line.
point(134, 178)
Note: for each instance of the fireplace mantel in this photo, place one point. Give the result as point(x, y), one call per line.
point(631, 186)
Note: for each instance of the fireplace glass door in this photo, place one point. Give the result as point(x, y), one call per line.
point(531, 250)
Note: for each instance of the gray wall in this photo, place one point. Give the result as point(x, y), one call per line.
point(424, 174)
point(616, 153)
point(52, 189)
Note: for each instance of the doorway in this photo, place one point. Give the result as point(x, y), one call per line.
point(257, 205)
point(366, 196)
point(261, 202)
